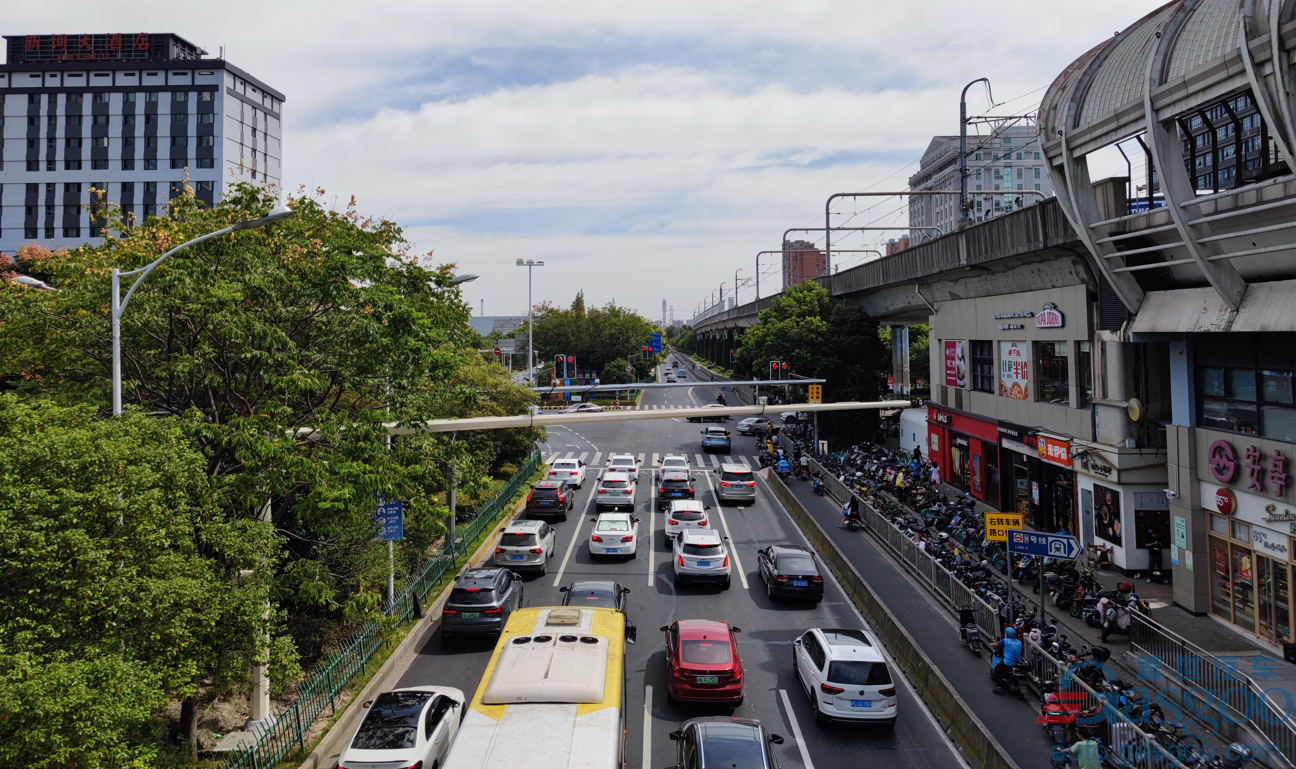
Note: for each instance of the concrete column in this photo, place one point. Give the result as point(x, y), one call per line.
point(900, 360)
point(1191, 588)
point(1183, 385)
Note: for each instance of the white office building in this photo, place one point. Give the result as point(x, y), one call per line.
point(129, 114)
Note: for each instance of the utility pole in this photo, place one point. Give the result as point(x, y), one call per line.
point(529, 264)
point(965, 207)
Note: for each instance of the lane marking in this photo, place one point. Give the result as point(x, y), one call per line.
point(647, 729)
point(701, 460)
point(656, 463)
point(796, 730)
point(639, 461)
point(733, 546)
point(575, 536)
point(549, 459)
point(597, 458)
point(652, 533)
point(583, 456)
point(743, 460)
point(715, 461)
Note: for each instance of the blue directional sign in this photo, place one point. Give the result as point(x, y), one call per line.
point(655, 341)
point(1062, 546)
point(389, 520)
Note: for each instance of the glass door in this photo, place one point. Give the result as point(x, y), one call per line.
point(1221, 585)
point(1264, 569)
point(1243, 588)
point(1282, 603)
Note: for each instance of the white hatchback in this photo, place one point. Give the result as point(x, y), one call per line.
point(624, 463)
point(673, 462)
point(570, 470)
point(616, 491)
point(701, 556)
point(683, 515)
point(406, 727)
point(845, 675)
point(615, 534)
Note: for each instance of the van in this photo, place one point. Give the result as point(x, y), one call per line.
point(737, 483)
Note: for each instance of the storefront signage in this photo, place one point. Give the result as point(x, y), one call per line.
point(1094, 463)
point(998, 524)
point(1053, 450)
point(1273, 516)
point(1010, 326)
point(1261, 468)
point(1012, 430)
point(955, 364)
point(1011, 315)
point(1049, 317)
point(1275, 545)
point(1014, 372)
point(1225, 502)
point(1180, 531)
point(1249, 508)
point(944, 418)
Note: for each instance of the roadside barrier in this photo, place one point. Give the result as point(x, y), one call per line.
point(319, 688)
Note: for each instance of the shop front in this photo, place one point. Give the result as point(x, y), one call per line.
point(1123, 508)
point(1037, 478)
point(965, 450)
point(1249, 545)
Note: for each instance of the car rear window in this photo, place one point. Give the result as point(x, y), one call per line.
point(706, 652)
point(544, 493)
point(517, 540)
point(672, 483)
point(727, 476)
point(613, 526)
point(714, 432)
point(614, 484)
point(686, 515)
point(796, 564)
point(593, 599)
point(708, 549)
point(463, 596)
point(565, 464)
point(392, 722)
point(859, 673)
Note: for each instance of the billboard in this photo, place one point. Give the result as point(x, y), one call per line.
point(1014, 371)
point(955, 363)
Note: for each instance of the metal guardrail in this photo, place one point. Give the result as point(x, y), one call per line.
point(319, 688)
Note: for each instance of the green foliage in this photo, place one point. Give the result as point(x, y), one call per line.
point(919, 351)
point(597, 337)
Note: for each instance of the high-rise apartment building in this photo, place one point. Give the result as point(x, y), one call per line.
point(129, 114)
point(801, 262)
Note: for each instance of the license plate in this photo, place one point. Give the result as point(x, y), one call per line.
point(861, 703)
point(612, 550)
point(702, 563)
point(708, 679)
point(799, 583)
point(471, 615)
point(676, 494)
point(544, 504)
point(516, 557)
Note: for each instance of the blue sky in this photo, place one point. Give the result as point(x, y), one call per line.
point(646, 151)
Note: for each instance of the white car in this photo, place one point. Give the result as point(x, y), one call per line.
point(683, 515)
point(570, 470)
point(845, 675)
point(673, 462)
point(582, 408)
point(526, 545)
point(701, 556)
point(406, 727)
point(670, 378)
point(615, 534)
point(624, 463)
point(615, 491)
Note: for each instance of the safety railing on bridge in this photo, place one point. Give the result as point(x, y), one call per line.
point(319, 689)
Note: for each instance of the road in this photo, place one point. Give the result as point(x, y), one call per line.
point(767, 628)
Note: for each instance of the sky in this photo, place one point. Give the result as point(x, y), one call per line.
point(644, 151)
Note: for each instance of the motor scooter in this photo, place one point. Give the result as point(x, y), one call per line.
point(969, 633)
point(818, 484)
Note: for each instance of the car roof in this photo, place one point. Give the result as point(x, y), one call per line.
point(477, 578)
point(528, 527)
point(785, 549)
point(849, 644)
point(677, 475)
point(613, 475)
point(550, 484)
point(687, 504)
point(700, 536)
point(612, 457)
point(600, 586)
point(696, 628)
point(569, 460)
point(730, 467)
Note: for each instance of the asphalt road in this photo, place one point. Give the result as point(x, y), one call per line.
point(772, 694)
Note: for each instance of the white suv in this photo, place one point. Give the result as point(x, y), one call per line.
point(701, 556)
point(570, 470)
point(615, 491)
point(624, 463)
point(683, 515)
point(673, 462)
point(844, 674)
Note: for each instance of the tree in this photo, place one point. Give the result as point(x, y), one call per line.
point(597, 337)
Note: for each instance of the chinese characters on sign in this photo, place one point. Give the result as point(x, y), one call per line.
point(998, 524)
point(816, 394)
point(1261, 468)
point(1053, 450)
point(1014, 371)
point(955, 364)
point(389, 520)
point(86, 47)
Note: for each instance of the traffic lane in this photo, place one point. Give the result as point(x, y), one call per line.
point(1011, 721)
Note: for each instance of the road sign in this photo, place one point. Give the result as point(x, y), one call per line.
point(1062, 546)
point(654, 342)
point(389, 520)
point(629, 369)
point(998, 524)
point(816, 393)
point(497, 351)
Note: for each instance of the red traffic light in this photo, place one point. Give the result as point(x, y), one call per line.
point(785, 366)
point(774, 365)
point(571, 359)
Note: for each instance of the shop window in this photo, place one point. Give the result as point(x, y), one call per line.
point(1051, 363)
point(1247, 400)
point(1084, 373)
point(983, 365)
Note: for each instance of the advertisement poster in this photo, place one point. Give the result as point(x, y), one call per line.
point(1035, 492)
point(955, 363)
point(1107, 509)
point(1243, 568)
point(1014, 371)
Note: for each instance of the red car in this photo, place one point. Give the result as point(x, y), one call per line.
point(702, 662)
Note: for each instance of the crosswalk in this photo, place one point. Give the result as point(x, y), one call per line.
point(699, 460)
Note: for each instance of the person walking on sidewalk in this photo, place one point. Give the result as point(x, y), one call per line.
point(918, 454)
point(1155, 564)
point(935, 475)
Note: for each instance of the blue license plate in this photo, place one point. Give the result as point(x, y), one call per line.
point(703, 563)
point(799, 583)
point(544, 504)
point(516, 557)
point(612, 550)
point(861, 703)
point(676, 494)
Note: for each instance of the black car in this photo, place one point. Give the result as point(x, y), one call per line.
point(674, 486)
point(595, 593)
point(480, 603)
point(550, 499)
point(790, 571)
point(717, 742)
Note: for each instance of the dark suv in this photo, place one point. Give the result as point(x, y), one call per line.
point(480, 603)
point(717, 742)
point(550, 499)
point(674, 485)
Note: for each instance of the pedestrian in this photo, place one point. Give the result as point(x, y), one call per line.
point(918, 454)
point(935, 475)
point(1155, 565)
point(1087, 753)
point(846, 514)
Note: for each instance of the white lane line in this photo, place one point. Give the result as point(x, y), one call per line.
point(656, 457)
point(583, 456)
point(743, 460)
point(597, 458)
point(733, 547)
point(652, 536)
point(575, 536)
point(570, 455)
point(639, 460)
point(796, 730)
point(647, 729)
point(701, 460)
point(715, 461)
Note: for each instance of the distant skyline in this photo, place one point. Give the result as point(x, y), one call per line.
point(644, 151)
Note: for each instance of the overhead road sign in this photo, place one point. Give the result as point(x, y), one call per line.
point(1062, 546)
point(654, 343)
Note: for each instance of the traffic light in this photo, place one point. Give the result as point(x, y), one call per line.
point(784, 373)
point(645, 352)
point(560, 367)
point(775, 370)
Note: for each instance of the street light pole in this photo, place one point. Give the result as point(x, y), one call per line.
point(118, 303)
point(965, 209)
point(530, 263)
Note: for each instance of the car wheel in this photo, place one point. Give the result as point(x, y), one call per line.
point(725, 585)
point(564, 518)
point(635, 554)
point(816, 714)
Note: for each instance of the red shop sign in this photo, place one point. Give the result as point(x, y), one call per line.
point(1225, 502)
point(1054, 450)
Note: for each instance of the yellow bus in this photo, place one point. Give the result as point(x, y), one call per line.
point(552, 696)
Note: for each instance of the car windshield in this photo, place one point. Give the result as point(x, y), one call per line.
point(471, 596)
point(392, 722)
point(614, 484)
point(729, 745)
point(859, 673)
point(728, 476)
point(544, 493)
point(686, 515)
point(613, 526)
point(706, 652)
point(517, 540)
point(710, 548)
point(797, 564)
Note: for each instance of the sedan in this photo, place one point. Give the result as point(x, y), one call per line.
point(716, 418)
point(701, 556)
point(702, 661)
point(595, 592)
point(615, 492)
point(570, 470)
point(670, 379)
point(674, 485)
point(717, 439)
point(717, 742)
point(615, 534)
point(406, 727)
point(753, 425)
point(674, 462)
point(582, 408)
point(624, 463)
point(685, 515)
point(790, 571)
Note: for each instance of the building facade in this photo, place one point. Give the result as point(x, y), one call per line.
point(128, 115)
point(1005, 161)
point(801, 262)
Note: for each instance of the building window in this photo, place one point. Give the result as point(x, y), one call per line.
point(33, 165)
point(206, 163)
point(99, 141)
point(1019, 157)
point(150, 141)
point(74, 120)
point(180, 96)
point(101, 98)
point(205, 186)
point(71, 232)
point(29, 233)
point(978, 174)
point(128, 120)
point(205, 96)
point(33, 98)
point(179, 118)
point(71, 165)
point(1037, 173)
point(150, 165)
point(53, 122)
point(1037, 188)
point(983, 365)
point(179, 141)
point(128, 164)
point(99, 165)
point(1084, 373)
point(1246, 400)
point(978, 202)
point(50, 165)
point(150, 187)
point(74, 98)
point(72, 188)
point(151, 96)
point(1051, 370)
point(150, 210)
point(1007, 140)
point(49, 233)
point(178, 163)
point(207, 117)
point(206, 141)
point(72, 209)
point(150, 120)
point(73, 144)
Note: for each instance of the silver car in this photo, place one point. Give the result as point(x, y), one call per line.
point(526, 545)
point(701, 556)
point(737, 484)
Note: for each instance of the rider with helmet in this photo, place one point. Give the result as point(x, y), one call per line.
point(1007, 653)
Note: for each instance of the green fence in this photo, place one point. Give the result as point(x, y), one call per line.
point(319, 689)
